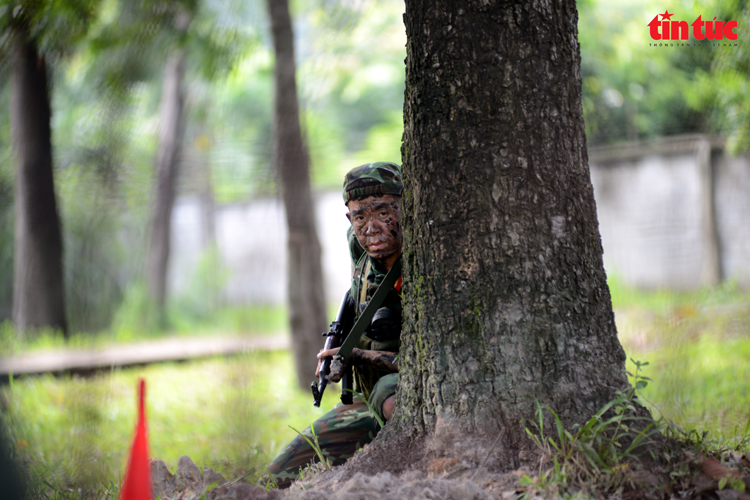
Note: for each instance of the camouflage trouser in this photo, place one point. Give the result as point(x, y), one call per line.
point(340, 432)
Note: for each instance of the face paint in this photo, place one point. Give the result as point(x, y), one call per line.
point(375, 221)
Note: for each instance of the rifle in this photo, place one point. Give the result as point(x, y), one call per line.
point(345, 336)
point(338, 330)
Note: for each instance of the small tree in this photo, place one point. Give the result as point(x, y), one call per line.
point(306, 298)
point(167, 161)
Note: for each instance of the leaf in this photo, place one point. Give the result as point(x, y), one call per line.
point(315, 446)
point(722, 483)
point(738, 484)
point(372, 411)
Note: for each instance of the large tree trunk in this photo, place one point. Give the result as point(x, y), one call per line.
point(305, 286)
point(38, 292)
point(505, 294)
point(170, 133)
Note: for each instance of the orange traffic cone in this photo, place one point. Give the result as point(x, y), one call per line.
point(136, 484)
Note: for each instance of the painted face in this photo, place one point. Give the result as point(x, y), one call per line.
point(377, 224)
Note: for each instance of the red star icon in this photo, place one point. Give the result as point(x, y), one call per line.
point(666, 15)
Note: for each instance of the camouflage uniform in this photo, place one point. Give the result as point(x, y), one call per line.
point(347, 428)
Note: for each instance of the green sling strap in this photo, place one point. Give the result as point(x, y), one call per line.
point(364, 320)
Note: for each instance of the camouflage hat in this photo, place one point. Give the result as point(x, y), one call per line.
point(380, 177)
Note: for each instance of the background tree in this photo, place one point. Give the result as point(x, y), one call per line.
point(170, 136)
point(38, 298)
point(35, 32)
point(305, 292)
point(505, 294)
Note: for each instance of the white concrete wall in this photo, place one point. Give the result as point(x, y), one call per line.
point(733, 216)
point(649, 218)
point(251, 239)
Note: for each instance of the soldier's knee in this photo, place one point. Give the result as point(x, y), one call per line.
point(384, 389)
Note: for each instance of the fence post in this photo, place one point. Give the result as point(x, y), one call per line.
point(711, 272)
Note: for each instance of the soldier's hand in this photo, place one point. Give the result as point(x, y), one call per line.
point(323, 354)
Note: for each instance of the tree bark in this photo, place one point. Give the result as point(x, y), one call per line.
point(505, 295)
point(170, 134)
point(305, 293)
point(38, 291)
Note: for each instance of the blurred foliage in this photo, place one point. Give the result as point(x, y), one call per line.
point(635, 88)
point(723, 88)
point(6, 212)
point(106, 93)
point(56, 26)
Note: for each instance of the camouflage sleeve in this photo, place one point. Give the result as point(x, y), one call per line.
point(380, 360)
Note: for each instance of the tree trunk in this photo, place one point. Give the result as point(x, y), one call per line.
point(38, 292)
point(306, 299)
point(505, 294)
point(170, 133)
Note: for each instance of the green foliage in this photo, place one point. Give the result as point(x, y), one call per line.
point(56, 26)
point(136, 315)
point(203, 296)
point(635, 89)
point(325, 139)
point(6, 235)
point(632, 90)
point(93, 251)
point(705, 443)
point(11, 343)
point(593, 456)
point(723, 88)
point(383, 141)
point(357, 87)
point(135, 321)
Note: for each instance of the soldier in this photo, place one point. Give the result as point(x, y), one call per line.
point(372, 193)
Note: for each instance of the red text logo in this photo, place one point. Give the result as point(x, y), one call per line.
point(666, 29)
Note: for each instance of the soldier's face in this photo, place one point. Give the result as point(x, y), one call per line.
point(377, 224)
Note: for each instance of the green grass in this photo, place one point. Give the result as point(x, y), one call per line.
point(698, 346)
point(233, 414)
point(229, 414)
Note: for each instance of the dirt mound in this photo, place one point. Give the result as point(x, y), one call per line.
point(189, 483)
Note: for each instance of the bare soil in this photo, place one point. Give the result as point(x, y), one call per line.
point(467, 470)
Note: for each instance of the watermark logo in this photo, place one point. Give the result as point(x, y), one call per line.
point(666, 29)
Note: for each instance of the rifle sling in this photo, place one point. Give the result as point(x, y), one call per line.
point(364, 320)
